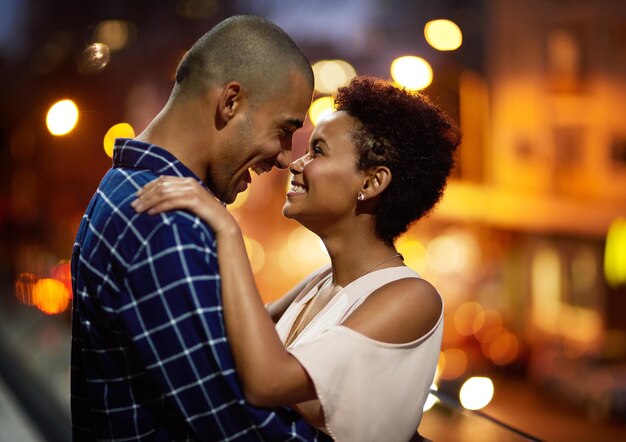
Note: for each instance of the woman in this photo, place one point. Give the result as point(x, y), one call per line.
point(355, 345)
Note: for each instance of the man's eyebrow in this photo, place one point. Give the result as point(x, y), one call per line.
point(295, 122)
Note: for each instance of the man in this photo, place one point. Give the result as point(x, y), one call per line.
point(150, 359)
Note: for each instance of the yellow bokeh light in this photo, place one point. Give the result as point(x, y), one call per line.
point(50, 296)
point(476, 393)
point(412, 73)
point(320, 108)
point(62, 117)
point(546, 285)
point(303, 251)
point(443, 35)
point(332, 74)
point(113, 33)
point(240, 200)
point(615, 254)
point(414, 253)
point(256, 254)
point(453, 363)
point(120, 130)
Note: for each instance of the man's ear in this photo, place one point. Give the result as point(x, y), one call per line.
point(376, 181)
point(229, 101)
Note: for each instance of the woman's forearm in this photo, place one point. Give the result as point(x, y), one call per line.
point(269, 374)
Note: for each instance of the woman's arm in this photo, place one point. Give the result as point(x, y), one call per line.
point(270, 375)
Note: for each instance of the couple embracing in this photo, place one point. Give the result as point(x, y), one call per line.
point(170, 338)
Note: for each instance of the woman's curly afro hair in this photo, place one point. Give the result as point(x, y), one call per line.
point(411, 136)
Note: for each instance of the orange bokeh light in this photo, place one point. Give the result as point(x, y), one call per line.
point(61, 272)
point(50, 296)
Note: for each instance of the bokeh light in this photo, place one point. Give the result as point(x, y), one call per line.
point(62, 117)
point(413, 252)
point(615, 254)
point(465, 317)
point(62, 273)
point(412, 73)
point(50, 296)
point(476, 393)
point(256, 254)
point(443, 35)
point(503, 349)
point(546, 285)
point(240, 200)
point(94, 58)
point(115, 34)
point(487, 325)
point(431, 400)
point(304, 250)
point(332, 74)
point(120, 130)
point(453, 363)
point(24, 287)
point(320, 108)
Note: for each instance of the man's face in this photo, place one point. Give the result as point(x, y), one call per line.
point(261, 139)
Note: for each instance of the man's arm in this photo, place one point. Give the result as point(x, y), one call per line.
point(172, 312)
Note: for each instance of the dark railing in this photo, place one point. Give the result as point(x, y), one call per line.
point(448, 420)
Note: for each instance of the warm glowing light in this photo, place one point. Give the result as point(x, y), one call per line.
point(320, 108)
point(303, 250)
point(412, 73)
point(503, 349)
point(332, 74)
point(256, 254)
point(50, 296)
point(241, 199)
point(62, 117)
point(465, 316)
point(120, 130)
point(487, 325)
point(414, 253)
point(445, 254)
point(546, 283)
point(615, 254)
point(61, 272)
point(431, 400)
point(453, 363)
point(24, 287)
point(443, 35)
point(476, 393)
point(113, 33)
point(94, 58)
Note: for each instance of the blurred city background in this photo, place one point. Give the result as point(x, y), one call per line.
point(528, 246)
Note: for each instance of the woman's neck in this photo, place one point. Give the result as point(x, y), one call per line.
point(354, 255)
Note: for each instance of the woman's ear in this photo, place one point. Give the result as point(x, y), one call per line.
point(376, 181)
point(229, 101)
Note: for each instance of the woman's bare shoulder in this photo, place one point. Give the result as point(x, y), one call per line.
point(399, 312)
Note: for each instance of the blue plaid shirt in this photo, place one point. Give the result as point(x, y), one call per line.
point(150, 356)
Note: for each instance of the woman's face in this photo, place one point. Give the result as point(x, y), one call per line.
point(325, 181)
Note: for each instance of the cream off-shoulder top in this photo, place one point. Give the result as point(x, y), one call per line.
point(368, 390)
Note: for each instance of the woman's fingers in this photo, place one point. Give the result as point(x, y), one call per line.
point(169, 193)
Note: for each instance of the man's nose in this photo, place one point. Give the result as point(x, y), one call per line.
point(283, 159)
point(298, 165)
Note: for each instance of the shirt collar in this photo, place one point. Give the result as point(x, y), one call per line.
point(139, 155)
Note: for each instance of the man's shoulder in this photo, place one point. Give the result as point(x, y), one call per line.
point(112, 217)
